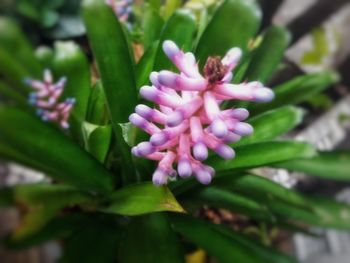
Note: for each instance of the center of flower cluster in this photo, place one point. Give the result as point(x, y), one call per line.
point(214, 70)
point(188, 120)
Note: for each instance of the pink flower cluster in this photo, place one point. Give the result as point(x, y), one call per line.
point(46, 98)
point(188, 120)
point(121, 8)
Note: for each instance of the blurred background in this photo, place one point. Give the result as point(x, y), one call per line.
point(321, 40)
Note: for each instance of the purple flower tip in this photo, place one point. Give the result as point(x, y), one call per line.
point(200, 151)
point(264, 95)
point(184, 168)
point(225, 152)
point(145, 148)
point(159, 177)
point(167, 78)
point(149, 93)
point(170, 48)
point(143, 111)
point(137, 120)
point(219, 128)
point(243, 129)
point(240, 114)
point(158, 139)
point(175, 119)
point(135, 152)
point(203, 176)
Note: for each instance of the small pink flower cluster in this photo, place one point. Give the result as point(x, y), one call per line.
point(121, 8)
point(46, 98)
point(189, 117)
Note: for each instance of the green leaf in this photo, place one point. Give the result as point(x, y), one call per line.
point(152, 26)
point(262, 154)
point(267, 253)
point(141, 199)
point(216, 197)
point(13, 71)
point(14, 42)
point(272, 124)
point(13, 95)
point(41, 202)
point(116, 70)
point(297, 90)
point(266, 58)
point(96, 240)
point(330, 165)
point(99, 142)
point(153, 239)
point(259, 189)
point(216, 242)
point(286, 205)
point(145, 66)
point(233, 25)
point(70, 61)
point(170, 7)
point(180, 28)
point(28, 140)
point(97, 108)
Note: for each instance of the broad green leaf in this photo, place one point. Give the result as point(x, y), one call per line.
point(272, 124)
point(96, 240)
point(322, 212)
point(116, 69)
point(263, 154)
point(70, 61)
point(285, 204)
point(28, 140)
point(113, 59)
point(13, 71)
point(180, 28)
point(97, 108)
point(224, 246)
point(14, 42)
point(152, 26)
point(233, 25)
point(258, 187)
point(216, 197)
point(99, 142)
point(145, 66)
point(40, 203)
point(156, 4)
point(330, 165)
point(267, 253)
point(150, 239)
point(13, 95)
point(170, 7)
point(297, 90)
point(141, 199)
point(266, 58)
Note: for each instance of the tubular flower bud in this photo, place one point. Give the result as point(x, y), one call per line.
point(188, 119)
point(45, 98)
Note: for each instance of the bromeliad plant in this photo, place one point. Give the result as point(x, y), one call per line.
point(101, 196)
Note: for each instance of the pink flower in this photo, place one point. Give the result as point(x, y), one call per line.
point(121, 8)
point(46, 98)
point(189, 121)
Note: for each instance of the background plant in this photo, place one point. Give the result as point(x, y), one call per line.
point(100, 201)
